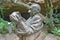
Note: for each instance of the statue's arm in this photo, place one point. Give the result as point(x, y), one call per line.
point(33, 26)
point(21, 22)
point(26, 28)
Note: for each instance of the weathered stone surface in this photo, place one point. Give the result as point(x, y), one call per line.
point(58, 37)
point(42, 36)
point(50, 37)
point(9, 37)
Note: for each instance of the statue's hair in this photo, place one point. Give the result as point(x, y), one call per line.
point(36, 6)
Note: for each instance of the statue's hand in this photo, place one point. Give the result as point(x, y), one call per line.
point(15, 16)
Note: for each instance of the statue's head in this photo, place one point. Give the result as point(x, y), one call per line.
point(35, 8)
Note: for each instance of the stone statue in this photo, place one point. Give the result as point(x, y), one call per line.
point(29, 29)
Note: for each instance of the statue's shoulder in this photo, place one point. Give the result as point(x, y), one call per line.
point(36, 17)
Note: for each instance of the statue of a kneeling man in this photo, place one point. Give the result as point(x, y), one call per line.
point(29, 29)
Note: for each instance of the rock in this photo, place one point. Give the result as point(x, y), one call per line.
point(50, 37)
point(43, 34)
point(1, 37)
point(58, 37)
point(9, 37)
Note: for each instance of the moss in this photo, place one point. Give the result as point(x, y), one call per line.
point(10, 7)
point(14, 7)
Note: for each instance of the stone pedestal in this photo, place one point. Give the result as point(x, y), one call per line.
point(9, 37)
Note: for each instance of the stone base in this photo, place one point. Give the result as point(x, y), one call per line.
point(9, 37)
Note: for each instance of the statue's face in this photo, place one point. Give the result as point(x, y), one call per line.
point(33, 10)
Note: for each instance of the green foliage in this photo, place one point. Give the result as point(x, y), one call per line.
point(52, 19)
point(56, 20)
point(56, 31)
point(4, 26)
point(51, 23)
point(1, 11)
